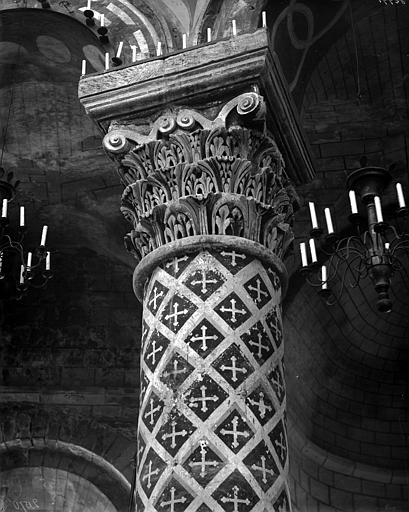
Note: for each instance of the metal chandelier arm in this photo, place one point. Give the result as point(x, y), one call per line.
point(375, 252)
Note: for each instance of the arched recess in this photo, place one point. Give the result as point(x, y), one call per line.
point(28, 468)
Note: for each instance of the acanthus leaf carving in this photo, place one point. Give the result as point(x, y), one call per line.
point(194, 176)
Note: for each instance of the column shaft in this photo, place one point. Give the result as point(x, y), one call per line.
point(211, 432)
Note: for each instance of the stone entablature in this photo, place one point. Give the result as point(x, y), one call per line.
point(206, 76)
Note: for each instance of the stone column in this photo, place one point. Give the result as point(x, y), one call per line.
point(211, 211)
point(210, 208)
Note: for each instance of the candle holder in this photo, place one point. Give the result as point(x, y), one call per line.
point(102, 31)
point(116, 61)
point(89, 17)
point(376, 250)
point(19, 271)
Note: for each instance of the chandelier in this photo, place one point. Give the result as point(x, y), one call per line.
point(377, 249)
point(20, 270)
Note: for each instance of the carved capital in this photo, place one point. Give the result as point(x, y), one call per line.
point(191, 176)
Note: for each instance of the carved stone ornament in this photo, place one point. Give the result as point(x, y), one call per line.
point(193, 176)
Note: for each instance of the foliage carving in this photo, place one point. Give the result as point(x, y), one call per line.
point(192, 176)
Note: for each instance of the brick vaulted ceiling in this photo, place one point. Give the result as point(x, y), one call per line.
point(348, 69)
point(354, 389)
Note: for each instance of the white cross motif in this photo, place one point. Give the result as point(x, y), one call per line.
point(204, 399)
point(203, 338)
point(276, 279)
point(259, 345)
point(204, 282)
point(149, 474)
point(259, 291)
point(140, 450)
point(155, 297)
point(203, 462)
point(276, 381)
point(235, 433)
point(233, 255)
point(262, 407)
point(172, 502)
point(152, 411)
point(175, 262)
point(154, 351)
point(281, 445)
point(176, 314)
point(233, 368)
point(265, 471)
point(174, 434)
point(235, 500)
point(274, 324)
point(175, 371)
point(233, 310)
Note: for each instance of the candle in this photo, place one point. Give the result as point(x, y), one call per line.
point(324, 284)
point(22, 217)
point(234, 27)
point(4, 208)
point(313, 214)
point(118, 52)
point(378, 209)
point(264, 19)
point(209, 35)
point(313, 250)
point(387, 245)
point(303, 250)
point(328, 218)
point(159, 49)
point(43, 235)
point(22, 274)
point(352, 200)
point(133, 46)
point(89, 4)
point(29, 260)
point(84, 67)
point(184, 41)
point(401, 198)
point(106, 61)
point(102, 20)
point(47, 261)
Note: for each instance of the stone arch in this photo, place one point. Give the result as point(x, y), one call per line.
point(67, 457)
point(58, 437)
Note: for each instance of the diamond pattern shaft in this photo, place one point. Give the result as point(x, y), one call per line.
point(211, 433)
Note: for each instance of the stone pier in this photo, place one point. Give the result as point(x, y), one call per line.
point(211, 209)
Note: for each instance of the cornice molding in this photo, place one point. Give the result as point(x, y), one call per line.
point(202, 77)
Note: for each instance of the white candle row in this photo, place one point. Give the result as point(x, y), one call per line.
point(313, 251)
point(354, 208)
point(314, 220)
point(159, 44)
point(4, 208)
point(29, 264)
point(377, 201)
point(304, 261)
point(30, 261)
